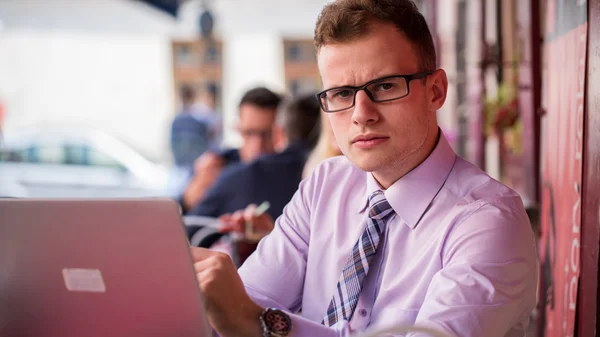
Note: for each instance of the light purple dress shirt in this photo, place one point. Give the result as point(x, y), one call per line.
point(459, 255)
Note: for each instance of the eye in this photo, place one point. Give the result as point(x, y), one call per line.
point(384, 86)
point(343, 93)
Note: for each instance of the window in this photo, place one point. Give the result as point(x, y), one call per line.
point(303, 86)
point(75, 155)
point(212, 54)
point(97, 158)
point(294, 52)
point(86, 156)
point(12, 156)
point(299, 51)
point(59, 155)
point(183, 55)
point(34, 154)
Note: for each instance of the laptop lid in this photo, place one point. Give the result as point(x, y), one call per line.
point(96, 268)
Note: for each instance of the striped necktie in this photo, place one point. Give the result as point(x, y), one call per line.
point(350, 283)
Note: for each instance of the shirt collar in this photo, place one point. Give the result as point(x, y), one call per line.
point(411, 195)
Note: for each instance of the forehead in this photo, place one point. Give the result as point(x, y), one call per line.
point(253, 114)
point(382, 52)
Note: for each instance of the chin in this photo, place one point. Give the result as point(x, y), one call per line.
point(371, 162)
point(368, 164)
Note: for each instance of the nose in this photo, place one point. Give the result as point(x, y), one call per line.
point(365, 112)
point(258, 145)
point(254, 145)
point(263, 144)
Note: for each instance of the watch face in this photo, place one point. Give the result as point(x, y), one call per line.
point(278, 322)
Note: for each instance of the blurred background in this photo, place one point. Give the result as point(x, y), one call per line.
point(89, 89)
point(106, 74)
point(110, 70)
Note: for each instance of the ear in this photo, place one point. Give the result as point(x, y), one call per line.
point(438, 89)
point(280, 139)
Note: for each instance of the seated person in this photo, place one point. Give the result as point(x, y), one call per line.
point(257, 112)
point(398, 231)
point(192, 132)
point(263, 222)
point(273, 178)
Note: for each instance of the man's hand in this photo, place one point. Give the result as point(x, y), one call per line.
point(230, 310)
point(236, 222)
point(208, 162)
point(207, 169)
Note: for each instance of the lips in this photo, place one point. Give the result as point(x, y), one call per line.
point(366, 138)
point(368, 141)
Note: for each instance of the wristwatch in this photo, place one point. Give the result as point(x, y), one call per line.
point(275, 323)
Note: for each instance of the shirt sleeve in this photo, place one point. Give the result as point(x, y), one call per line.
point(274, 274)
point(218, 198)
point(211, 203)
point(489, 276)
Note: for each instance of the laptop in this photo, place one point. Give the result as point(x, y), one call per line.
point(97, 268)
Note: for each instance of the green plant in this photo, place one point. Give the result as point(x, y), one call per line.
point(501, 111)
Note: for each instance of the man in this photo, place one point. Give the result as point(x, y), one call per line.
point(257, 112)
point(192, 133)
point(398, 231)
point(273, 178)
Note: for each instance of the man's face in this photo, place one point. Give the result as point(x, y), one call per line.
point(381, 137)
point(256, 128)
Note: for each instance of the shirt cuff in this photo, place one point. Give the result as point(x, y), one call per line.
point(302, 327)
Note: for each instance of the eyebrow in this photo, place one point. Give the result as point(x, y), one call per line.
point(354, 86)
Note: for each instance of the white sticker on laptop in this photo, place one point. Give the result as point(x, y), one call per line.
point(84, 280)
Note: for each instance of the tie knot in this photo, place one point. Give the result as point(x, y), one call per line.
point(379, 208)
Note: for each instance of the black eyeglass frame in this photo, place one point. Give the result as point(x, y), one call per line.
point(407, 78)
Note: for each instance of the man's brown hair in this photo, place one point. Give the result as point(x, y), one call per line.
point(343, 21)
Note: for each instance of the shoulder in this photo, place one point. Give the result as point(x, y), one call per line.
point(181, 118)
point(232, 179)
point(234, 170)
point(278, 161)
point(485, 211)
point(334, 176)
point(471, 185)
point(188, 122)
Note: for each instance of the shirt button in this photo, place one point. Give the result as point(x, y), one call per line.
point(362, 312)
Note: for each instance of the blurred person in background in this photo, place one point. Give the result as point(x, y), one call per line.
point(193, 131)
point(327, 147)
point(273, 178)
point(257, 114)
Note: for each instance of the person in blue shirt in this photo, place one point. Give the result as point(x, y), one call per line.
point(273, 178)
point(194, 131)
point(257, 113)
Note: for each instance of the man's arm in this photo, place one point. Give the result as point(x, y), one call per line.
point(219, 199)
point(207, 169)
point(273, 277)
point(487, 285)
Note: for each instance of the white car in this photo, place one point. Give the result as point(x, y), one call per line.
point(77, 164)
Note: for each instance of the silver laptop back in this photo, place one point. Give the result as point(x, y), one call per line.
point(96, 268)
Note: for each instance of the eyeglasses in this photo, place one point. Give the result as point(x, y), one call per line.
point(380, 90)
point(262, 134)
